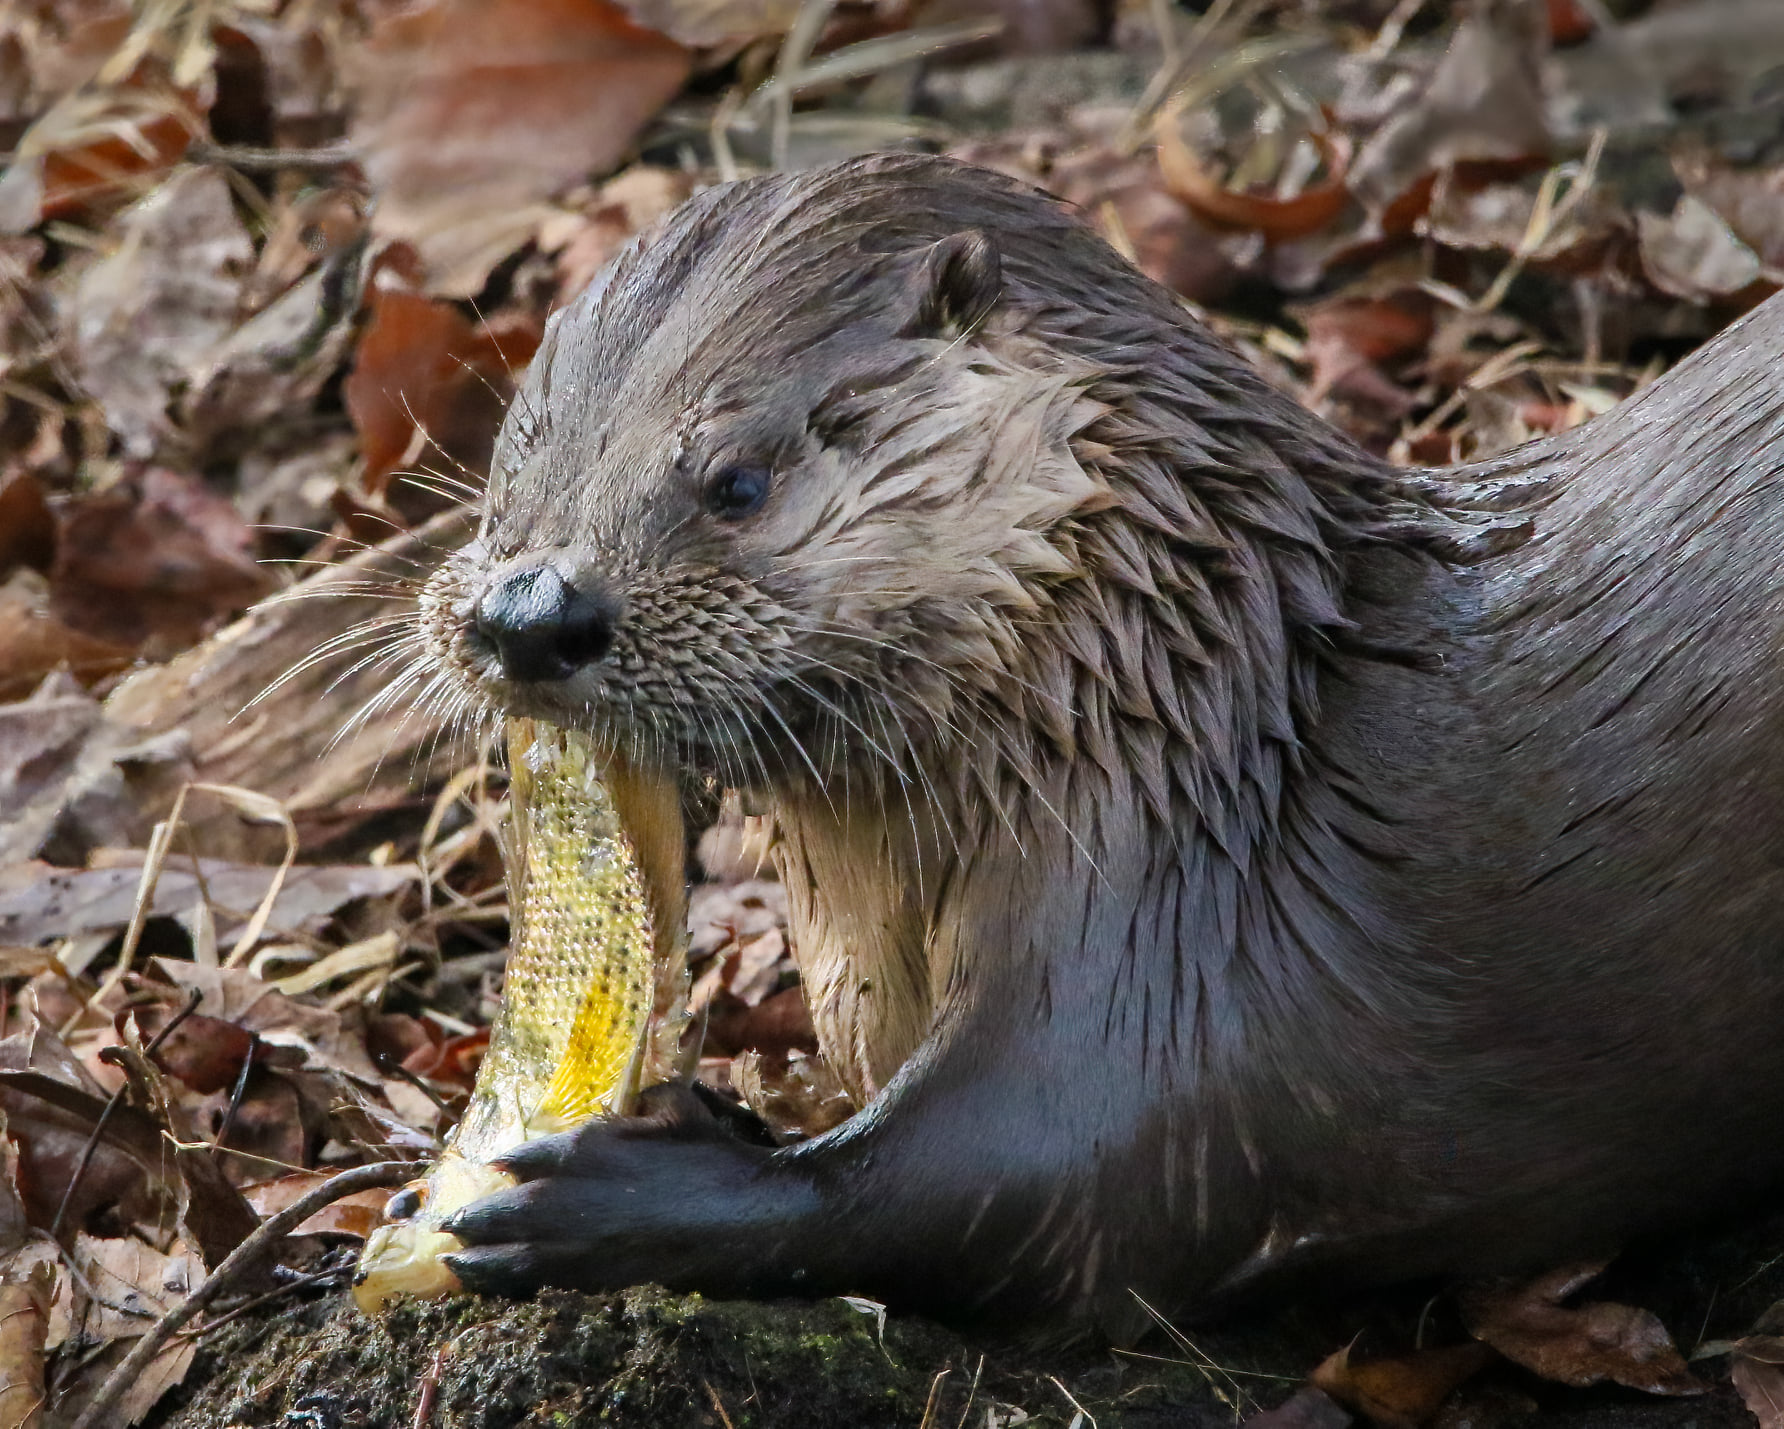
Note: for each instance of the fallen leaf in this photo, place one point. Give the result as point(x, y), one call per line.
point(1749, 201)
point(134, 1285)
point(1577, 1345)
point(205, 1053)
point(357, 1215)
point(587, 241)
point(423, 373)
point(150, 316)
point(702, 24)
point(40, 903)
point(1692, 253)
point(1348, 338)
point(27, 528)
point(798, 1096)
point(1757, 1369)
point(1482, 102)
point(1402, 1392)
point(34, 642)
point(24, 1331)
point(157, 556)
point(471, 113)
point(1278, 218)
point(105, 139)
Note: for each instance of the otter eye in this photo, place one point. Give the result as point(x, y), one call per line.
point(735, 492)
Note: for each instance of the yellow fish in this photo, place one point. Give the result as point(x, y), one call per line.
point(592, 995)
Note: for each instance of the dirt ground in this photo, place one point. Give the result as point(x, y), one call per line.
point(646, 1358)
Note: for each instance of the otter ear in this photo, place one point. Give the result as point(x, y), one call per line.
point(956, 283)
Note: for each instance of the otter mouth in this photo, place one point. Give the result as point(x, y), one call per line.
point(532, 647)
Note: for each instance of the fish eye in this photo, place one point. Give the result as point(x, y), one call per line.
point(737, 491)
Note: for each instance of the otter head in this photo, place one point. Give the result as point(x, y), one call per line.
point(787, 482)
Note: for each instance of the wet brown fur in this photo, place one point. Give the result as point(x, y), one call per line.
point(1212, 861)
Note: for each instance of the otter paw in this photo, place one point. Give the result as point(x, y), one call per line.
point(671, 1195)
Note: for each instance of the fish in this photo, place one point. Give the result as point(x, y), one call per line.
point(594, 991)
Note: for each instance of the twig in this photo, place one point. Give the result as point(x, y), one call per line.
point(241, 156)
point(430, 1389)
point(1084, 1415)
point(361, 1178)
point(717, 1404)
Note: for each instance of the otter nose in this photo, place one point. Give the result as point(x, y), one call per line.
point(542, 626)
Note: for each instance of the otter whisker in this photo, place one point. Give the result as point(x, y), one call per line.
point(352, 544)
point(378, 629)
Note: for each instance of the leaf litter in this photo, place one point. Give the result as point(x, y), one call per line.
point(269, 273)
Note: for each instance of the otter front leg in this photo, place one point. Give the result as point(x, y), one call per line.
point(680, 1194)
point(982, 1186)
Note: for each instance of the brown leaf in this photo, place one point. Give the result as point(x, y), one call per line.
point(24, 1328)
point(34, 642)
point(423, 371)
point(776, 1026)
point(27, 529)
point(797, 1095)
point(205, 1053)
point(314, 226)
point(1277, 218)
point(43, 902)
point(134, 1285)
point(105, 140)
point(1483, 101)
point(1692, 253)
point(1348, 338)
point(473, 112)
point(1402, 1392)
point(705, 23)
point(358, 1214)
point(150, 315)
point(1749, 201)
point(52, 1106)
point(1758, 1374)
point(1577, 1345)
point(158, 555)
point(626, 204)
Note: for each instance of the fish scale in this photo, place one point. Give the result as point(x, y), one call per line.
point(572, 1038)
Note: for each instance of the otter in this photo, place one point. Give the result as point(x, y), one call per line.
point(1220, 862)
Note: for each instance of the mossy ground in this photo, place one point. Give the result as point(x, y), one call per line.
point(646, 1358)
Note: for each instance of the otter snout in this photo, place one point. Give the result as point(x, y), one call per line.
point(541, 623)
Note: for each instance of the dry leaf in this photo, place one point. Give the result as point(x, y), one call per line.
point(96, 145)
point(704, 24)
point(1757, 1369)
point(1692, 253)
point(149, 316)
point(24, 1330)
point(1277, 218)
point(797, 1096)
point(1483, 101)
point(423, 371)
point(34, 642)
point(1402, 1392)
point(27, 528)
point(1749, 201)
point(157, 555)
point(473, 112)
point(357, 1215)
point(1577, 1345)
point(42, 903)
